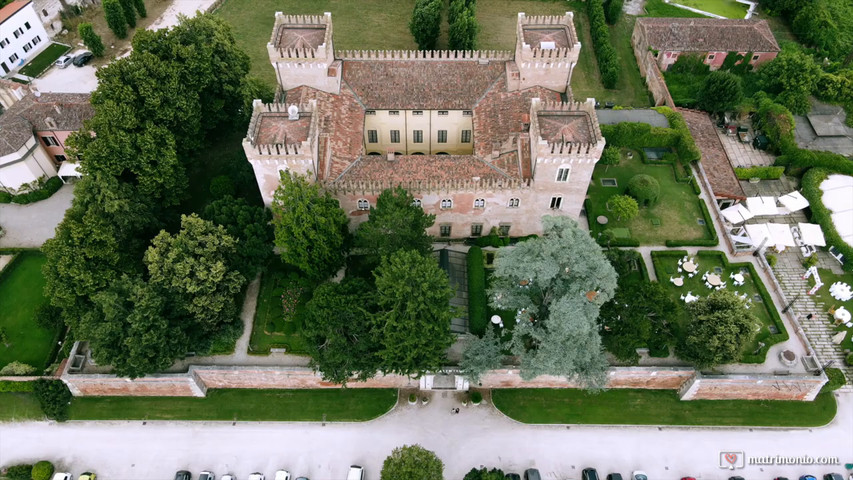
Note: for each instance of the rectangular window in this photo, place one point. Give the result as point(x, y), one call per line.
point(3, 43)
point(513, 203)
point(59, 158)
point(466, 136)
point(444, 230)
point(13, 58)
point(710, 56)
point(418, 113)
point(370, 112)
point(755, 57)
point(476, 229)
point(442, 136)
point(50, 141)
point(27, 24)
point(503, 229)
point(418, 136)
point(395, 136)
point(36, 40)
point(442, 113)
point(27, 47)
point(563, 174)
point(393, 113)
point(372, 136)
point(467, 113)
point(556, 203)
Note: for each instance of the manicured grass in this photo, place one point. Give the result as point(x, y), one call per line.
point(667, 266)
point(21, 292)
point(272, 328)
point(657, 8)
point(656, 407)
point(725, 8)
point(678, 208)
point(44, 59)
point(19, 407)
point(349, 404)
point(823, 296)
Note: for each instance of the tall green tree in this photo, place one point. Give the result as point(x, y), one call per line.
point(463, 30)
point(139, 5)
point(639, 316)
point(395, 223)
point(613, 11)
point(310, 227)
point(792, 76)
point(558, 282)
point(412, 462)
point(720, 92)
point(91, 39)
point(247, 224)
point(413, 322)
point(481, 355)
point(623, 206)
point(255, 88)
point(339, 330)
point(425, 24)
point(129, 12)
point(720, 327)
point(116, 20)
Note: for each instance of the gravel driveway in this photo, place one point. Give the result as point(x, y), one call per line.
point(30, 225)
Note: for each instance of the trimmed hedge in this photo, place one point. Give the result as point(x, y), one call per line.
point(477, 321)
point(51, 186)
point(608, 61)
point(836, 380)
point(764, 173)
point(11, 386)
point(801, 158)
point(822, 216)
point(20, 472)
point(42, 470)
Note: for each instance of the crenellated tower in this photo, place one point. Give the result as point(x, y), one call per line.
point(301, 52)
point(546, 52)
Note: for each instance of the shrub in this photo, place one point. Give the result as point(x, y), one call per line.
point(764, 173)
point(12, 386)
point(5, 197)
point(115, 18)
point(54, 398)
point(777, 123)
point(721, 91)
point(849, 359)
point(492, 240)
point(608, 63)
point(771, 260)
point(91, 39)
point(623, 206)
point(477, 320)
point(17, 368)
point(613, 10)
point(476, 398)
point(19, 472)
point(610, 156)
point(645, 189)
point(221, 186)
point(139, 5)
point(835, 381)
point(45, 190)
point(810, 261)
point(413, 398)
point(129, 12)
point(42, 470)
point(425, 24)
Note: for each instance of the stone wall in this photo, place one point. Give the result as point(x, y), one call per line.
point(753, 387)
point(621, 377)
point(285, 377)
point(179, 385)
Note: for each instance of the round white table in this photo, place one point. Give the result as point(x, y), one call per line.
point(713, 279)
point(738, 277)
point(678, 282)
point(689, 267)
point(496, 319)
point(842, 314)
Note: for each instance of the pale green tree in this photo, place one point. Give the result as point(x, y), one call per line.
point(720, 327)
point(412, 462)
point(623, 206)
point(481, 355)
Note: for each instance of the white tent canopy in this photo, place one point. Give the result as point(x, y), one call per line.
point(837, 195)
point(811, 234)
point(758, 232)
point(794, 201)
point(762, 205)
point(737, 213)
point(69, 169)
point(780, 234)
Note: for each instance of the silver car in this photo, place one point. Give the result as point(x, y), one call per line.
point(63, 61)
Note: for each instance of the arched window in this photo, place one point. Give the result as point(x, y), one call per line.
point(513, 203)
point(446, 203)
point(479, 203)
point(363, 204)
point(416, 202)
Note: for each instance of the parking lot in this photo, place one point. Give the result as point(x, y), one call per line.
point(70, 79)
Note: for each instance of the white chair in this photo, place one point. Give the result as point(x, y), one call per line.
point(690, 275)
point(723, 285)
point(682, 297)
point(680, 270)
point(671, 280)
point(680, 262)
point(684, 259)
point(731, 275)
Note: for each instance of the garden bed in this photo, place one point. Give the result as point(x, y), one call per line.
point(44, 60)
point(770, 329)
point(281, 310)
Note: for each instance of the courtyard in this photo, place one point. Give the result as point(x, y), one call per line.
point(282, 287)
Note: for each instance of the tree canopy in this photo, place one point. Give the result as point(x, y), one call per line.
point(425, 24)
point(793, 76)
point(481, 355)
point(395, 223)
point(412, 462)
point(558, 282)
point(310, 227)
point(247, 224)
point(623, 206)
point(719, 329)
point(639, 314)
point(721, 91)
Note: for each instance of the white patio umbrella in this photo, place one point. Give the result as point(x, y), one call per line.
point(811, 234)
point(794, 201)
point(737, 213)
point(780, 234)
point(843, 222)
point(762, 205)
point(758, 232)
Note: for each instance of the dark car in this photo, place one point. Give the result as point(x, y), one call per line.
point(781, 478)
point(614, 476)
point(82, 59)
point(532, 474)
point(589, 474)
point(183, 475)
point(807, 477)
point(736, 478)
point(512, 476)
point(833, 476)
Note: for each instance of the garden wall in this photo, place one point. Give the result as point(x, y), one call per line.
point(753, 387)
point(652, 378)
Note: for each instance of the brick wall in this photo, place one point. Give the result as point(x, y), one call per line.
point(291, 378)
point(628, 377)
point(178, 385)
point(753, 387)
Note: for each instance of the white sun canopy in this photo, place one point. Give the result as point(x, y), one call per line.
point(737, 213)
point(69, 169)
point(780, 234)
point(758, 232)
point(762, 205)
point(794, 201)
point(811, 234)
point(837, 195)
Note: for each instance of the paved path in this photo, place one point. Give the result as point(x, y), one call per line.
point(179, 7)
point(477, 435)
point(28, 226)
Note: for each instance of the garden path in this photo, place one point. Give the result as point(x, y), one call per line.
point(28, 226)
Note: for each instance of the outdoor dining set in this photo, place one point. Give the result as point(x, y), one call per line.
point(713, 281)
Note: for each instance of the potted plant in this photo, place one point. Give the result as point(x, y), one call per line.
point(425, 400)
point(413, 399)
point(476, 398)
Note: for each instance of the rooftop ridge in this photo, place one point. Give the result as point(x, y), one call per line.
point(423, 186)
point(444, 55)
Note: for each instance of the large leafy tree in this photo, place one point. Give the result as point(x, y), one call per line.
point(720, 327)
point(639, 314)
point(395, 223)
point(623, 206)
point(247, 224)
point(195, 267)
point(793, 76)
point(481, 355)
point(721, 91)
point(425, 24)
point(462, 34)
point(413, 324)
point(558, 283)
point(310, 227)
point(340, 332)
point(412, 462)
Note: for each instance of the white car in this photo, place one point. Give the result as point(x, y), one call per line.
point(227, 476)
point(63, 62)
point(282, 475)
point(355, 473)
point(62, 476)
point(256, 476)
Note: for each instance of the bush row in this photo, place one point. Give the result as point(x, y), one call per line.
point(13, 386)
point(477, 321)
point(822, 216)
point(613, 10)
point(47, 189)
point(801, 158)
point(608, 62)
point(764, 173)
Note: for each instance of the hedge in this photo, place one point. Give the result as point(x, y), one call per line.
point(801, 158)
point(608, 62)
point(45, 191)
point(764, 173)
point(16, 387)
point(477, 321)
point(42, 470)
point(705, 242)
point(822, 216)
point(836, 380)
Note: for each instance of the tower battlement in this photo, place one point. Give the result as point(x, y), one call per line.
point(546, 51)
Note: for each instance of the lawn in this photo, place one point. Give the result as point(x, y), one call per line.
point(44, 59)
point(333, 405)
point(19, 407)
point(272, 328)
point(656, 407)
point(657, 8)
point(21, 292)
point(822, 296)
point(770, 329)
point(678, 210)
point(724, 8)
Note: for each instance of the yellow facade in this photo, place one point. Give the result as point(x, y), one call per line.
point(412, 132)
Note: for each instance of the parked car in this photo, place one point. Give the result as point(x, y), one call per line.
point(688, 478)
point(82, 59)
point(807, 477)
point(639, 475)
point(183, 475)
point(833, 476)
point(532, 474)
point(87, 476)
point(512, 476)
point(781, 478)
point(614, 476)
point(589, 474)
point(62, 476)
point(736, 478)
point(205, 475)
point(302, 478)
point(227, 476)
point(355, 473)
point(63, 62)
point(256, 476)
point(282, 475)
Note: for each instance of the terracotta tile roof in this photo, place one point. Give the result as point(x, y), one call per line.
point(420, 168)
point(561, 127)
point(11, 9)
point(717, 166)
point(47, 112)
point(708, 35)
point(415, 84)
point(277, 128)
point(300, 36)
point(535, 34)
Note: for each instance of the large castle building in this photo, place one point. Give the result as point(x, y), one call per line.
point(482, 139)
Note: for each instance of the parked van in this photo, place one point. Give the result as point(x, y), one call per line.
point(532, 474)
point(355, 473)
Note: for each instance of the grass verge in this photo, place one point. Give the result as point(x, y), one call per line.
point(44, 59)
point(19, 407)
point(657, 407)
point(724, 8)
